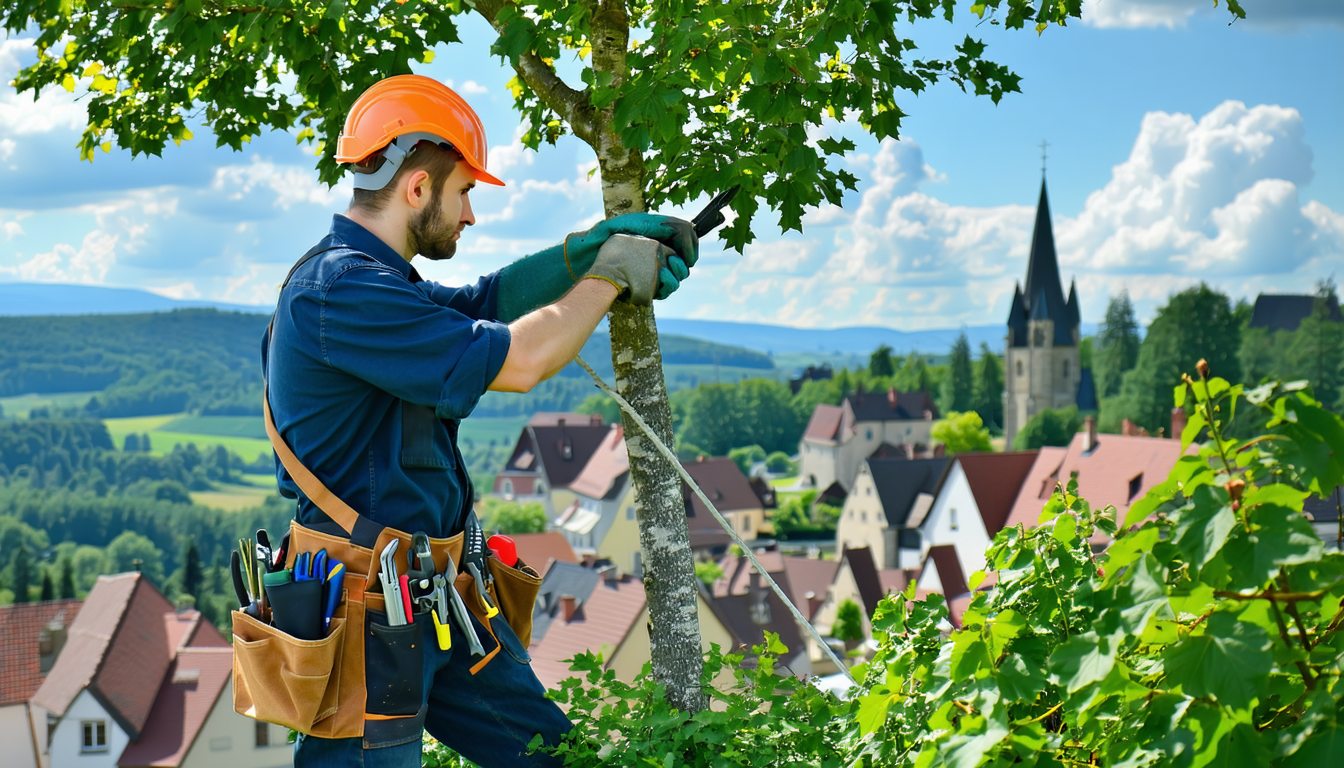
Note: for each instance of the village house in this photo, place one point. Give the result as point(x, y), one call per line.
point(838, 439)
point(887, 505)
point(141, 684)
point(551, 451)
point(972, 505)
point(35, 634)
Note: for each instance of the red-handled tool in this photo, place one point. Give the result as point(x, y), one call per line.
point(406, 597)
point(504, 548)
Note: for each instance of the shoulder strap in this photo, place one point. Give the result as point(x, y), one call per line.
point(360, 528)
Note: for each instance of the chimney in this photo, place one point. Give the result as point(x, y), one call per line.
point(754, 579)
point(596, 419)
point(1178, 422)
point(891, 398)
point(1090, 439)
point(568, 605)
point(609, 575)
point(1127, 428)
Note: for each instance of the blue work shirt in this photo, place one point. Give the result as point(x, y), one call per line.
point(369, 371)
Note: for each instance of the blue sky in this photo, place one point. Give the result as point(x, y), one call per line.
point(1181, 149)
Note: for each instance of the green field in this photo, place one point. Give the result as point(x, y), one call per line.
point(503, 430)
point(222, 426)
point(19, 405)
point(231, 497)
point(162, 440)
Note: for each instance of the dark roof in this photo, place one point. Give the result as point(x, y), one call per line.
point(995, 479)
point(835, 495)
point(724, 485)
point(900, 481)
point(1043, 295)
point(891, 405)
point(864, 570)
point(1324, 510)
point(765, 492)
point(1087, 392)
point(825, 423)
point(562, 579)
point(563, 450)
point(747, 617)
point(888, 451)
point(944, 558)
point(1286, 312)
point(22, 627)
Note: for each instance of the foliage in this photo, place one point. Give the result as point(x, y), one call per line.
point(603, 405)
point(989, 388)
point(746, 457)
point(880, 362)
point(719, 417)
point(764, 717)
point(799, 518)
point(130, 551)
point(1049, 427)
point(957, 392)
point(708, 572)
point(22, 578)
point(779, 463)
point(509, 517)
point(1117, 345)
point(1314, 351)
point(848, 622)
point(67, 588)
point(962, 432)
point(1196, 323)
point(1208, 633)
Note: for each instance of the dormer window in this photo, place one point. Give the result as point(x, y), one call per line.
point(1135, 485)
point(1066, 369)
point(1038, 337)
point(1019, 367)
point(567, 450)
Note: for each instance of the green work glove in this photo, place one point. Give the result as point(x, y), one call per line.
point(542, 278)
point(633, 265)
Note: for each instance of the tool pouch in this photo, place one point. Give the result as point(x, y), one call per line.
point(515, 592)
point(283, 680)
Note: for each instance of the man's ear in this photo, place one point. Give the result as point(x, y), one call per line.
point(417, 187)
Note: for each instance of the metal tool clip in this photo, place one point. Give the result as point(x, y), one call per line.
point(387, 574)
point(460, 610)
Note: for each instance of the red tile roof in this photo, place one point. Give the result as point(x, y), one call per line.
point(1036, 488)
point(189, 692)
point(608, 464)
point(864, 570)
point(724, 485)
point(20, 658)
point(995, 479)
point(893, 580)
point(90, 635)
point(539, 550)
point(825, 424)
point(797, 576)
point(551, 419)
point(604, 619)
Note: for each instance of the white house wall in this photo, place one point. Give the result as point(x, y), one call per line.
point(862, 521)
point(956, 504)
point(228, 740)
point(66, 750)
point(17, 736)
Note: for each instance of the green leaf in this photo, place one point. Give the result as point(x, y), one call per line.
point(1279, 536)
point(1196, 423)
point(1326, 747)
point(1083, 659)
point(1203, 525)
point(1240, 747)
point(873, 709)
point(1066, 528)
point(1129, 548)
point(1150, 502)
point(1278, 494)
point(970, 656)
point(1178, 396)
point(976, 580)
point(1229, 662)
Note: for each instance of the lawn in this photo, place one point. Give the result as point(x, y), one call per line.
point(231, 497)
point(163, 435)
point(19, 405)
point(221, 426)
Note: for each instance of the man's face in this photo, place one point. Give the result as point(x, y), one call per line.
point(436, 228)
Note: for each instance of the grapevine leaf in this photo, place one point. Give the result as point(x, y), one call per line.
point(1229, 662)
point(1083, 659)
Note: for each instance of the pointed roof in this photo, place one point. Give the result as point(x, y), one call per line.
point(22, 626)
point(1043, 295)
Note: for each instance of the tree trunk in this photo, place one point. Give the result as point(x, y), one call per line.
point(669, 570)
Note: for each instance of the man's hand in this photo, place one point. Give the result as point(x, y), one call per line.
point(676, 234)
point(634, 265)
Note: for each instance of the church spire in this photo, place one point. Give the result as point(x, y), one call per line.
point(1043, 283)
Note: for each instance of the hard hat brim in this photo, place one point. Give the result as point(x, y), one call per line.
point(486, 178)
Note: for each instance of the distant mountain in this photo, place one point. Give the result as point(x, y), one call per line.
point(61, 299)
point(777, 339)
point(64, 299)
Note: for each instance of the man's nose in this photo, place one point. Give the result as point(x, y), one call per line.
point(468, 216)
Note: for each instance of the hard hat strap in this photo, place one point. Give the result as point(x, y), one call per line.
point(393, 155)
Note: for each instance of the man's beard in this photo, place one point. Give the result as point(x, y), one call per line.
point(430, 237)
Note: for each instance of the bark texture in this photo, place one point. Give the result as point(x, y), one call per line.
point(669, 569)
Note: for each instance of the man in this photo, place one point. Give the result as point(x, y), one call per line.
point(370, 368)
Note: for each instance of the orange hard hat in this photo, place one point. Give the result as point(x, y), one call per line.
point(411, 104)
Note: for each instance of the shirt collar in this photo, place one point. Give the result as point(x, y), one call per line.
point(346, 232)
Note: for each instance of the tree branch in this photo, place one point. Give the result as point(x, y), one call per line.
point(570, 104)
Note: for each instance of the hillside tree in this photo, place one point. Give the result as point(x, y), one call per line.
point(1117, 345)
point(22, 579)
point(701, 97)
point(1316, 352)
point(957, 392)
point(1049, 427)
point(192, 575)
point(989, 388)
point(962, 432)
point(67, 587)
point(880, 362)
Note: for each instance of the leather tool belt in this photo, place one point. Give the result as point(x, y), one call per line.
point(365, 678)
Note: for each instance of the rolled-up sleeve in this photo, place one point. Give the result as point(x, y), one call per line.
point(381, 328)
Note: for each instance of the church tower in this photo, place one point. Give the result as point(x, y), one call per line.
point(1041, 361)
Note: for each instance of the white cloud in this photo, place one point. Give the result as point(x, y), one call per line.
point(292, 184)
point(88, 264)
point(54, 109)
point(1173, 14)
point(1220, 192)
point(473, 87)
point(13, 229)
point(779, 256)
point(184, 290)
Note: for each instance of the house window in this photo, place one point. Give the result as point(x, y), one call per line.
point(865, 516)
point(1066, 369)
point(630, 512)
point(952, 518)
point(1135, 485)
point(870, 434)
point(746, 523)
point(1038, 337)
point(638, 562)
point(541, 487)
point(263, 734)
point(95, 736)
point(1019, 367)
point(508, 487)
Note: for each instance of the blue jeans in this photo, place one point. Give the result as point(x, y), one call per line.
point(488, 717)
